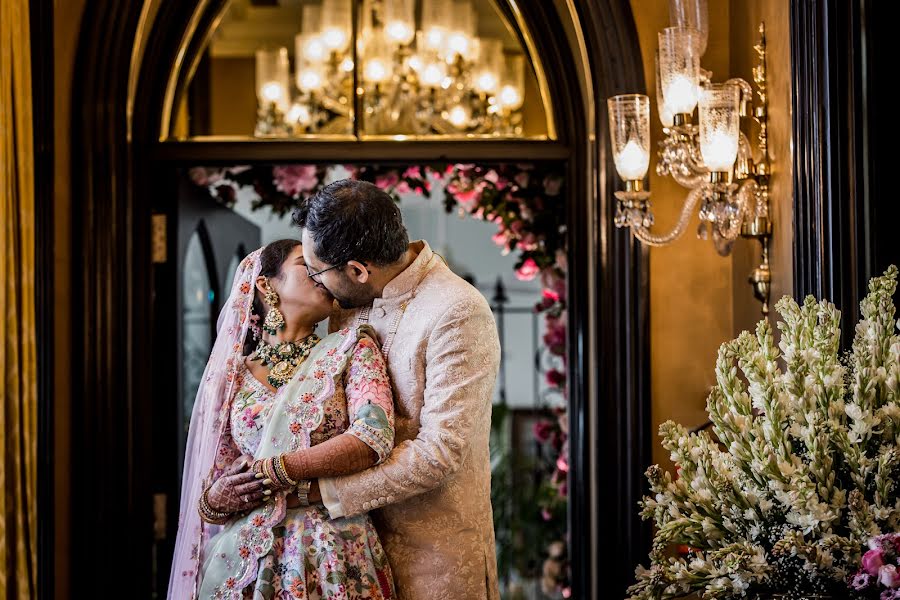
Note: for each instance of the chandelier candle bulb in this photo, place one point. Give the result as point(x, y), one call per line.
point(629, 126)
point(679, 69)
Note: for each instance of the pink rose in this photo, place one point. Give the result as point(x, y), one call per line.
point(293, 180)
point(205, 176)
point(555, 378)
point(465, 197)
point(888, 576)
point(872, 561)
point(551, 295)
point(528, 270)
point(414, 172)
point(542, 430)
point(403, 188)
point(387, 181)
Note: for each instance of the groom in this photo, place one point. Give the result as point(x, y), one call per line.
point(439, 337)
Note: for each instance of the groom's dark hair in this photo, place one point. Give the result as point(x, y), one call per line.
point(354, 220)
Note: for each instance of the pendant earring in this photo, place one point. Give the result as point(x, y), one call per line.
point(274, 320)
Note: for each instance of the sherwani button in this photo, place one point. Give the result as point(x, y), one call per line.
point(390, 498)
point(382, 500)
point(366, 505)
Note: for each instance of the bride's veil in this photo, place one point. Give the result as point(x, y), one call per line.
point(205, 454)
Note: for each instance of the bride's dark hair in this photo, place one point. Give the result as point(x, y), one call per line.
point(271, 260)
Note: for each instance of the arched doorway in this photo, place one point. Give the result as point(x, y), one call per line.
point(122, 164)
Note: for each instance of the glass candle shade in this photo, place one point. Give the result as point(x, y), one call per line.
point(489, 67)
point(461, 34)
point(679, 69)
point(665, 115)
point(336, 24)
point(693, 14)
point(629, 134)
point(273, 78)
point(512, 85)
point(719, 126)
point(437, 17)
point(377, 67)
point(399, 21)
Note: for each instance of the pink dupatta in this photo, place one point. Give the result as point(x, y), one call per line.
point(209, 449)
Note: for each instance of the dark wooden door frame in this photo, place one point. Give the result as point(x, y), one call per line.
point(609, 405)
point(844, 218)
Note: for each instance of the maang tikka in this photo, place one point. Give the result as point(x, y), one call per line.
point(274, 319)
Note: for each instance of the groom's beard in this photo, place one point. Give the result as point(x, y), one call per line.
point(355, 297)
point(348, 303)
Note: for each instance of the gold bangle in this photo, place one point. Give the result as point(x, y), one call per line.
point(282, 470)
point(208, 513)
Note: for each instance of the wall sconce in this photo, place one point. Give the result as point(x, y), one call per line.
point(713, 159)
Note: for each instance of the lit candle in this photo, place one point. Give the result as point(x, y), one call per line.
point(272, 92)
point(486, 82)
point(719, 151)
point(400, 32)
point(376, 71)
point(510, 97)
point(458, 116)
point(432, 74)
point(309, 80)
point(299, 113)
point(632, 162)
point(680, 95)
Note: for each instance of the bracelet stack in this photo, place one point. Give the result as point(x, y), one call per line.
point(281, 471)
point(274, 470)
point(208, 514)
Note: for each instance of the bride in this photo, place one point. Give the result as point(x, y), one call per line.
point(276, 408)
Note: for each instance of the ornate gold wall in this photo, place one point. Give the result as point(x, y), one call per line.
point(697, 298)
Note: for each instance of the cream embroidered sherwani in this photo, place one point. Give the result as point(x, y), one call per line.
point(433, 493)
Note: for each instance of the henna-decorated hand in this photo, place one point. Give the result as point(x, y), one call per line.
point(237, 489)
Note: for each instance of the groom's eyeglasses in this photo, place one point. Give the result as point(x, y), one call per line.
point(315, 276)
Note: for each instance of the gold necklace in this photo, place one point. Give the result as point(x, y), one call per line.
point(283, 358)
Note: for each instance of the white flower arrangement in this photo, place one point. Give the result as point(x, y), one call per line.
point(803, 468)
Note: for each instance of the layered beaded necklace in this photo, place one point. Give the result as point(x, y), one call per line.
point(283, 358)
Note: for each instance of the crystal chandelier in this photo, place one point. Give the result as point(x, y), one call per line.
point(713, 159)
point(418, 68)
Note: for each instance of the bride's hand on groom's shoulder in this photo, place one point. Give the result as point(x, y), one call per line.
point(237, 489)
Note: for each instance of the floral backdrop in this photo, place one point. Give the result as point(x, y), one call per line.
point(525, 202)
